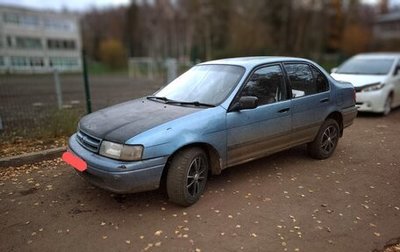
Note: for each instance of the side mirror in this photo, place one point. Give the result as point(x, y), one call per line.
point(245, 102)
point(334, 70)
point(397, 71)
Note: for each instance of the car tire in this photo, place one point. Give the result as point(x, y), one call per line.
point(187, 176)
point(388, 106)
point(326, 141)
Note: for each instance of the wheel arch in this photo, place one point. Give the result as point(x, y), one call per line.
point(338, 117)
point(212, 154)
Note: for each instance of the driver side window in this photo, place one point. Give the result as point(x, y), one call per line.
point(267, 84)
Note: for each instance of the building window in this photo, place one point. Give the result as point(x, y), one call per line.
point(9, 41)
point(36, 62)
point(59, 44)
point(1, 61)
point(27, 61)
point(63, 62)
point(28, 43)
point(20, 61)
point(61, 25)
point(11, 18)
point(24, 20)
point(29, 21)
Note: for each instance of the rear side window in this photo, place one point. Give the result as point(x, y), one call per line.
point(320, 80)
point(305, 80)
point(301, 79)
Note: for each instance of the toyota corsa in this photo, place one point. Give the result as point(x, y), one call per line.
point(216, 115)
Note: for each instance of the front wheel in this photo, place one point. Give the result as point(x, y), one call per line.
point(187, 176)
point(388, 106)
point(326, 141)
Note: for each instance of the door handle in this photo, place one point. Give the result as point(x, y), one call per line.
point(284, 110)
point(324, 100)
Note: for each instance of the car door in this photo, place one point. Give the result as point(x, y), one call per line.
point(310, 100)
point(256, 132)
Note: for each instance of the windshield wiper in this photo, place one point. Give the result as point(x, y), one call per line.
point(169, 101)
point(197, 104)
point(165, 99)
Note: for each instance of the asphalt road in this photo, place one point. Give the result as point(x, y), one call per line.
point(285, 202)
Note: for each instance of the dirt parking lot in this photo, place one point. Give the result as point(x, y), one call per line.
point(285, 202)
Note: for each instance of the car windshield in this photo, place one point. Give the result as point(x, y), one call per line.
point(207, 84)
point(366, 66)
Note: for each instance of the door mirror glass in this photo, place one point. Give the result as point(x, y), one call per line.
point(245, 102)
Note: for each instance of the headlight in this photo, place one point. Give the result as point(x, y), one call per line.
point(373, 87)
point(121, 151)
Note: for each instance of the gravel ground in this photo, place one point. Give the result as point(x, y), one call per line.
point(285, 202)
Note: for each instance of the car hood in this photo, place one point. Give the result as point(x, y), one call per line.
point(124, 121)
point(359, 80)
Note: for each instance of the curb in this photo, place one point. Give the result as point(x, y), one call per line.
point(33, 157)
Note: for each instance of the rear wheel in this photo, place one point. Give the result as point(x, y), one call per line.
point(187, 176)
point(326, 141)
point(388, 106)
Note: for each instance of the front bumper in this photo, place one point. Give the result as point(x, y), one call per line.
point(119, 176)
point(373, 101)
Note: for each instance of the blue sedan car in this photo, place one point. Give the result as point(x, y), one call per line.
point(216, 115)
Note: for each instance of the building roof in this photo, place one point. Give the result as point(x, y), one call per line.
point(48, 12)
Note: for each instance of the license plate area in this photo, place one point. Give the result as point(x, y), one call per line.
point(74, 161)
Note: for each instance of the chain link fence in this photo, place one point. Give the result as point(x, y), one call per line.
point(51, 104)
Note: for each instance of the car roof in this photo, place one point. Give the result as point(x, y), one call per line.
point(378, 55)
point(250, 62)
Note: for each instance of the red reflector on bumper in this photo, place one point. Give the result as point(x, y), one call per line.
point(74, 161)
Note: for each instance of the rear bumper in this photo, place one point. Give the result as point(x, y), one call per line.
point(118, 176)
point(349, 114)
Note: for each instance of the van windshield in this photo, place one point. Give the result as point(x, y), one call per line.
point(366, 66)
point(208, 84)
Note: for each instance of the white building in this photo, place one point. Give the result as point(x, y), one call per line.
point(35, 41)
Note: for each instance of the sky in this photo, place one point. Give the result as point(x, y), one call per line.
point(81, 5)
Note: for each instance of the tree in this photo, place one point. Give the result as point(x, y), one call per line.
point(355, 39)
point(112, 53)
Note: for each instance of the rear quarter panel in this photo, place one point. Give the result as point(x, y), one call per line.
point(345, 100)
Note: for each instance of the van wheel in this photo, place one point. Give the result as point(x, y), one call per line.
point(326, 141)
point(388, 106)
point(187, 176)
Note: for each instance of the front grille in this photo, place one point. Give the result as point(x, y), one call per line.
point(88, 142)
